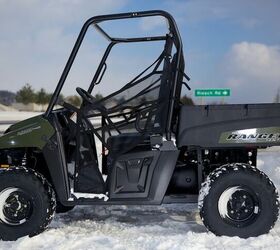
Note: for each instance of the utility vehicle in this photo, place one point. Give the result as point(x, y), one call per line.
point(154, 149)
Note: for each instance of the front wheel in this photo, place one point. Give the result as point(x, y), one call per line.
point(27, 203)
point(238, 200)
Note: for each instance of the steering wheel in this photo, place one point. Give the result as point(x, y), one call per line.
point(92, 100)
point(86, 96)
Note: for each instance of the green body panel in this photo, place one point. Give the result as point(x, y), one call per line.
point(33, 132)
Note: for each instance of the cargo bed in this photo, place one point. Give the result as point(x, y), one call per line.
point(231, 125)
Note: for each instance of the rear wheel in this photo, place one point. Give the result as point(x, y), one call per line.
point(27, 203)
point(238, 200)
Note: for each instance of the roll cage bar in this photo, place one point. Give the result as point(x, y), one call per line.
point(94, 21)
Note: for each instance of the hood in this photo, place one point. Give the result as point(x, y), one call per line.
point(32, 132)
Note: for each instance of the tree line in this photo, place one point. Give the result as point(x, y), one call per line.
point(28, 95)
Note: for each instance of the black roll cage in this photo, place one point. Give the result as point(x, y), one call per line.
point(174, 32)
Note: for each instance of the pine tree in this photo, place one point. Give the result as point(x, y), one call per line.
point(42, 97)
point(26, 94)
point(186, 100)
point(74, 100)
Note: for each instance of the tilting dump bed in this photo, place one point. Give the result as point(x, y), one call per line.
point(229, 125)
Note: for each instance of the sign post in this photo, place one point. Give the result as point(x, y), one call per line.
point(212, 92)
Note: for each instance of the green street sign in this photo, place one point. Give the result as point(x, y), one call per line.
point(211, 92)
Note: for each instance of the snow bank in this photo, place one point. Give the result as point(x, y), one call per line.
point(16, 115)
point(9, 117)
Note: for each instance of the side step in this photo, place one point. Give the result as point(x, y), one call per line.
point(182, 198)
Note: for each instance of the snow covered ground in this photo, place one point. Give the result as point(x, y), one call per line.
point(9, 117)
point(146, 227)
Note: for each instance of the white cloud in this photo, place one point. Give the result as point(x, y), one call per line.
point(255, 60)
point(152, 23)
point(253, 71)
point(36, 37)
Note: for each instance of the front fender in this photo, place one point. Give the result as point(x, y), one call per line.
point(37, 132)
point(33, 132)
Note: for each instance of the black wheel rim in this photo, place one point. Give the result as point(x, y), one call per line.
point(239, 206)
point(16, 206)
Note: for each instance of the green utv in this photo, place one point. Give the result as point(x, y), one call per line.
point(154, 149)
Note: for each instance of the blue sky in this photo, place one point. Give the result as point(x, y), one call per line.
point(231, 44)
